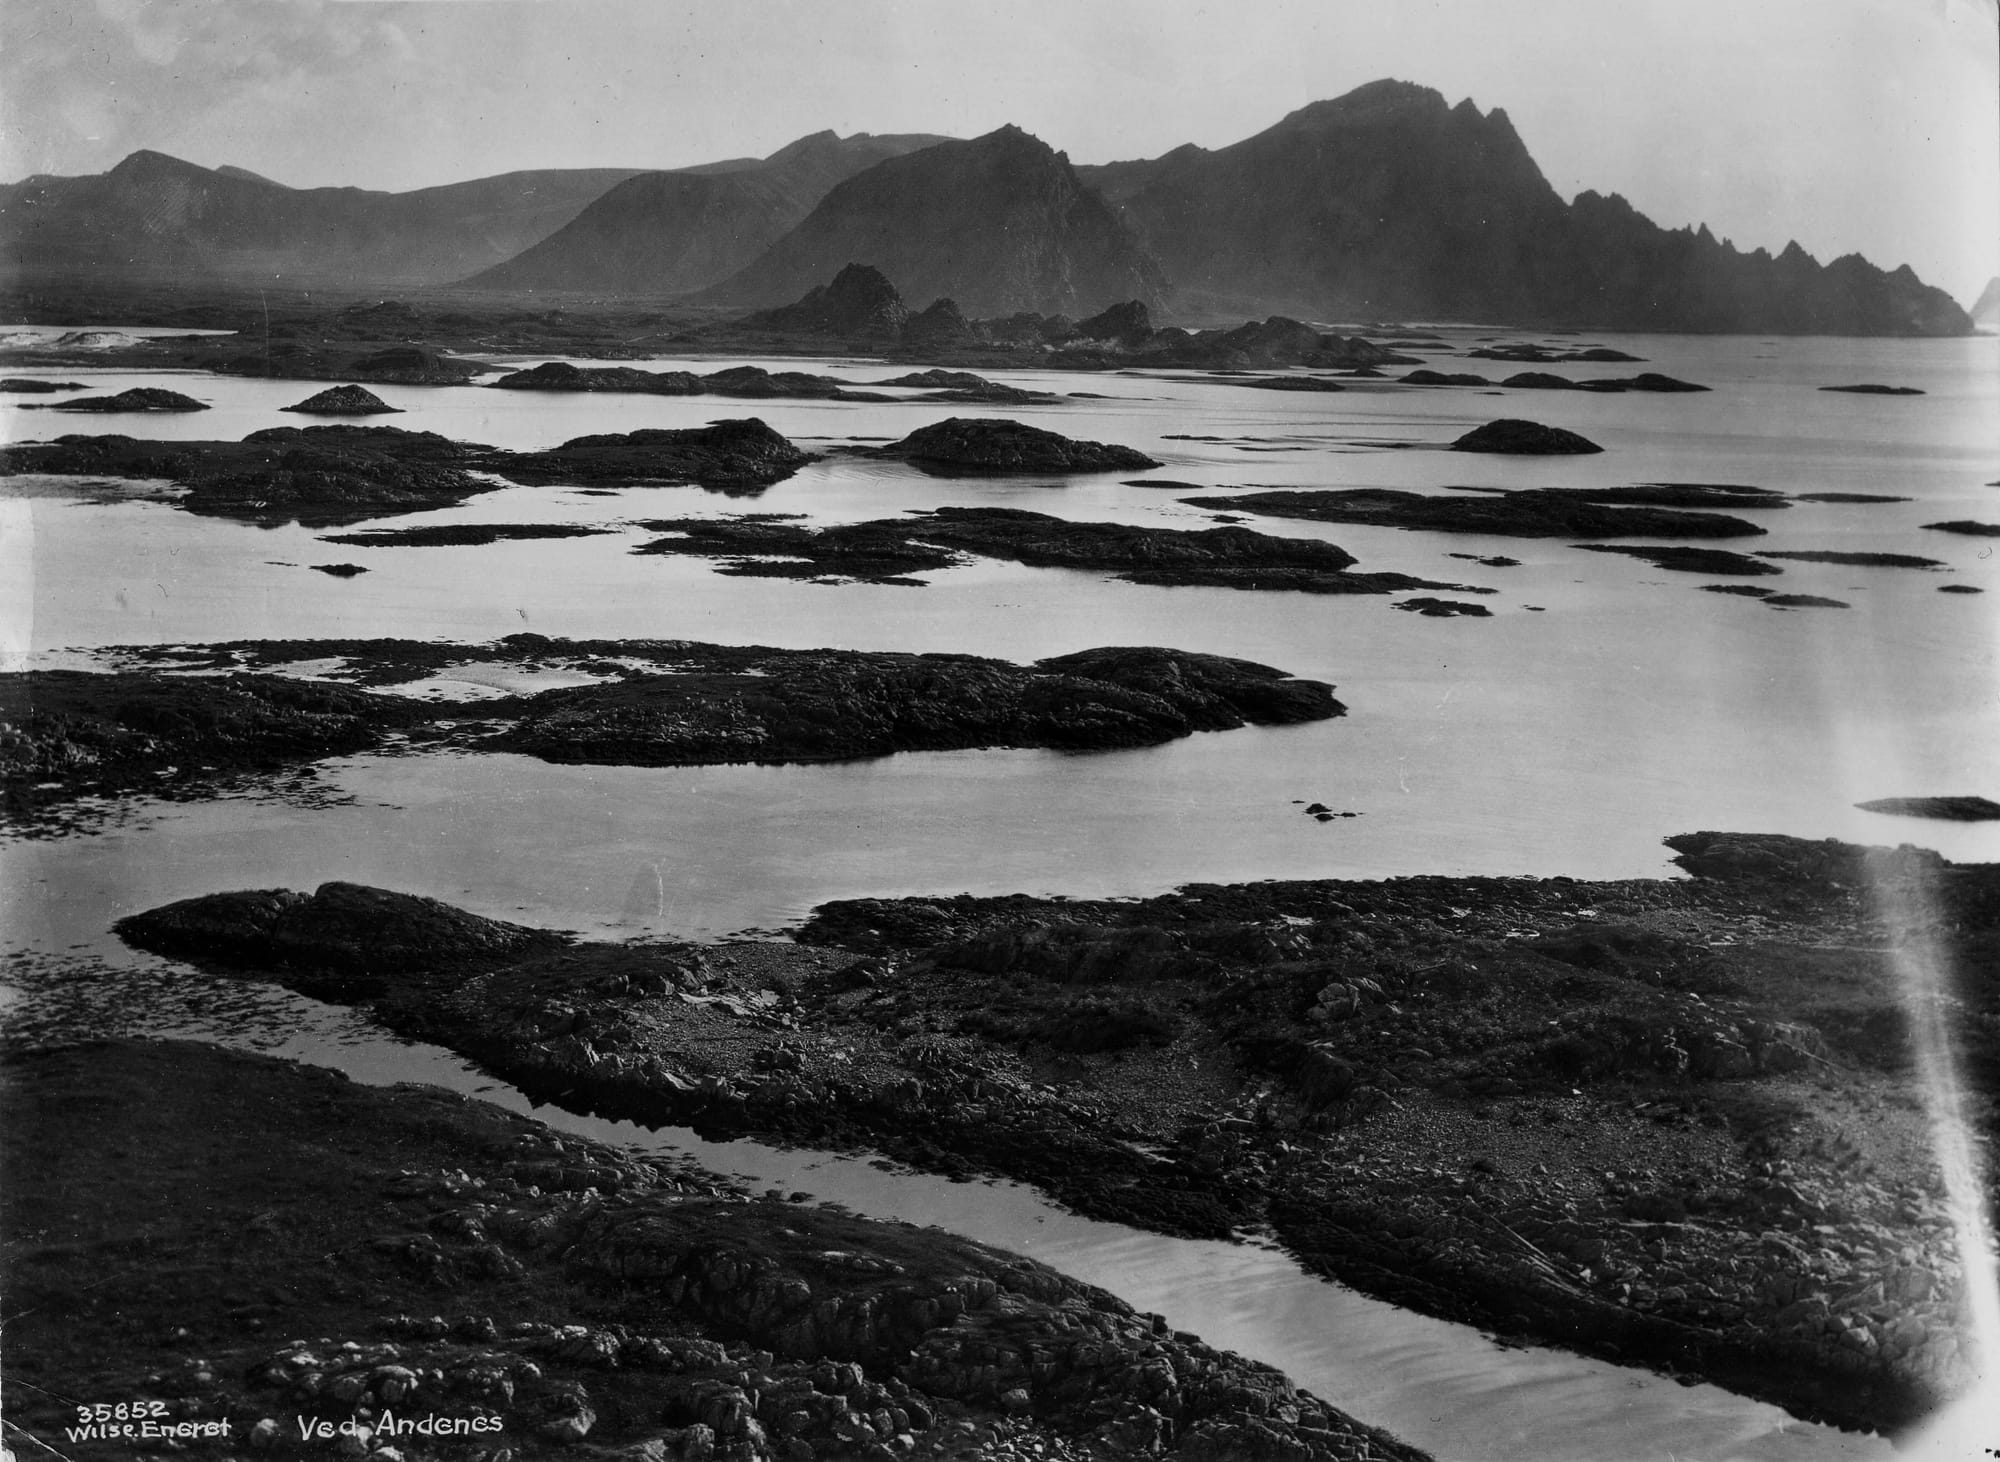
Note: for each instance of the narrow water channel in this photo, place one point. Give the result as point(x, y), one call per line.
point(1444, 1387)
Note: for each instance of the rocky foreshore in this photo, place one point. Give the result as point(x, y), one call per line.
point(1668, 1122)
point(298, 1265)
point(153, 728)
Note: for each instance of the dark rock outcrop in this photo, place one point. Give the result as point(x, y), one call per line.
point(139, 398)
point(29, 386)
point(736, 455)
point(1527, 513)
point(1664, 495)
point(460, 535)
point(560, 375)
point(1427, 377)
point(346, 940)
point(966, 446)
point(1434, 608)
point(1852, 558)
point(324, 475)
point(941, 326)
point(343, 401)
point(889, 550)
point(831, 705)
point(1130, 323)
point(1692, 560)
point(1524, 438)
point(859, 304)
point(1968, 527)
point(65, 732)
point(1945, 809)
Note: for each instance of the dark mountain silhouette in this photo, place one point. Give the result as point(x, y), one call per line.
point(1390, 203)
point(154, 214)
point(998, 224)
point(858, 304)
point(672, 233)
point(1386, 203)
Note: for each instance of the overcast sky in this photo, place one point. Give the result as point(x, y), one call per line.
point(1850, 125)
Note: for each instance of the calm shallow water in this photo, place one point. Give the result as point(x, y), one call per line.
point(1566, 741)
point(1562, 739)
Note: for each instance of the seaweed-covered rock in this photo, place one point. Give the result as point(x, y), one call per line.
point(1524, 438)
point(973, 445)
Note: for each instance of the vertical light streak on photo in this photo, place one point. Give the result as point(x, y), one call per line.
point(1905, 896)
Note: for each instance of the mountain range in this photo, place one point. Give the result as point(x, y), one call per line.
point(154, 215)
point(1387, 203)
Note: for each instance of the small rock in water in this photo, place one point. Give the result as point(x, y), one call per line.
point(1524, 438)
point(1944, 809)
point(1968, 527)
point(1445, 608)
point(343, 401)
